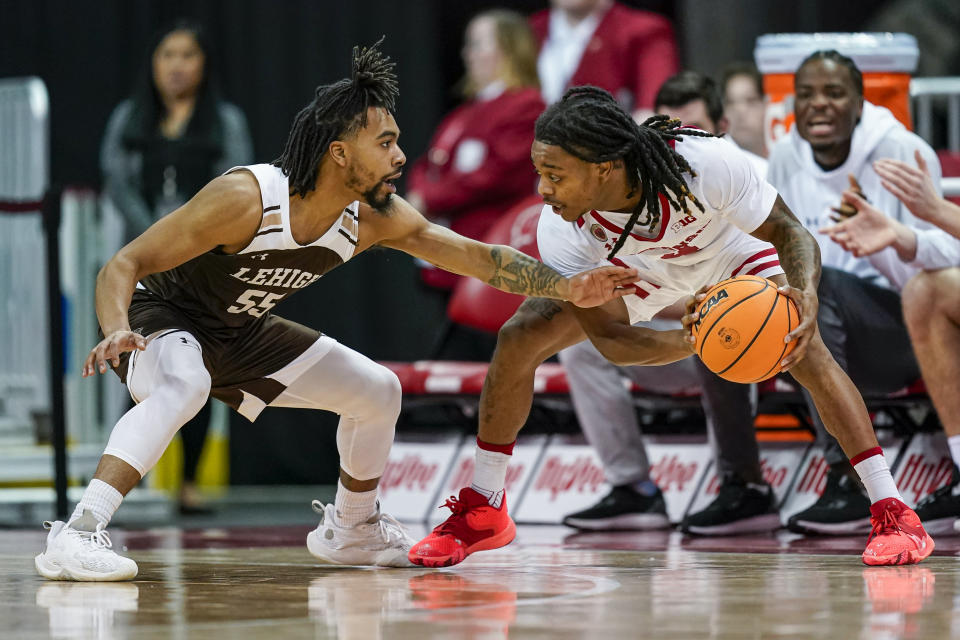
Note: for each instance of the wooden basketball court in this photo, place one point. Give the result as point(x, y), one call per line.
point(550, 583)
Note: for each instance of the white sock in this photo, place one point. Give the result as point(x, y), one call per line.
point(954, 442)
point(352, 508)
point(876, 477)
point(100, 499)
point(490, 475)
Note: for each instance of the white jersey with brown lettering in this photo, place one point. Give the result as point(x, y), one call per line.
point(227, 291)
point(683, 251)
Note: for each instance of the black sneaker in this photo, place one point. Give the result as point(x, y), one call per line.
point(740, 507)
point(842, 509)
point(940, 509)
point(623, 509)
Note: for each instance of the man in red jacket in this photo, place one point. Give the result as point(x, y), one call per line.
point(478, 163)
point(628, 52)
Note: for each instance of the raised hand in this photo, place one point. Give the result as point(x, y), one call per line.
point(911, 185)
point(110, 348)
point(598, 286)
point(846, 210)
point(866, 232)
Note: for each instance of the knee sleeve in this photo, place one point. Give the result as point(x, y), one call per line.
point(170, 384)
point(365, 394)
point(364, 437)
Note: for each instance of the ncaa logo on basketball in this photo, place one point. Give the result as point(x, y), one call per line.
point(597, 232)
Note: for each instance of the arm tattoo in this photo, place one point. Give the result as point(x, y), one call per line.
point(516, 272)
point(799, 252)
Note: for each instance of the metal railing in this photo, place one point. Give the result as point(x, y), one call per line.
point(924, 92)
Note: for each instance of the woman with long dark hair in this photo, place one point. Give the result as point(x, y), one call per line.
point(173, 134)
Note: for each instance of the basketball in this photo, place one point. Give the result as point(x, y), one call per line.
point(740, 328)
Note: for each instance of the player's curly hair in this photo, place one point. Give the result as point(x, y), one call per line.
point(856, 77)
point(337, 109)
point(589, 124)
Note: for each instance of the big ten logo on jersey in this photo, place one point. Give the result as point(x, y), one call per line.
point(924, 467)
point(714, 300)
point(680, 224)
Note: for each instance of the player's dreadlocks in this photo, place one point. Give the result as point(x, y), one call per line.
point(589, 124)
point(335, 110)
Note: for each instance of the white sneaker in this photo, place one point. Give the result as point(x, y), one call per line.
point(86, 556)
point(380, 541)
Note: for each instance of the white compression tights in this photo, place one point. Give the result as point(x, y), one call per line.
point(367, 397)
point(170, 384)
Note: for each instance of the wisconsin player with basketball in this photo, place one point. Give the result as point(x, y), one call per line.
point(185, 310)
point(687, 210)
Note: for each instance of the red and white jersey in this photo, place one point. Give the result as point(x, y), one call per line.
point(683, 251)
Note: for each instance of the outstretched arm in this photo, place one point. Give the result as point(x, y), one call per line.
point(800, 259)
point(499, 266)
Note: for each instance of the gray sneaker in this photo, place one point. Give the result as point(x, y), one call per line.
point(381, 541)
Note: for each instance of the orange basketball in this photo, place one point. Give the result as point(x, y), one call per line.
point(740, 328)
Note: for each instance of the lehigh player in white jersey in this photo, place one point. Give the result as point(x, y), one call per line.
point(686, 210)
point(191, 299)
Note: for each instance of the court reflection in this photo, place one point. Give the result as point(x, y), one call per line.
point(370, 605)
point(89, 609)
point(548, 584)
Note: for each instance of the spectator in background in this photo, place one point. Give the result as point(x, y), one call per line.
point(930, 300)
point(171, 137)
point(606, 413)
point(832, 147)
point(743, 110)
point(477, 165)
point(628, 52)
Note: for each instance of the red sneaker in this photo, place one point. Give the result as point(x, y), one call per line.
point(473, 526)
point(897, 537)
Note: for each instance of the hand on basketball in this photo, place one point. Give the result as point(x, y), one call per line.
point(808, 304)
point(598, 286)
point(866, 232)
point(690, 315)
point(110, 348)
point(911, 185)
